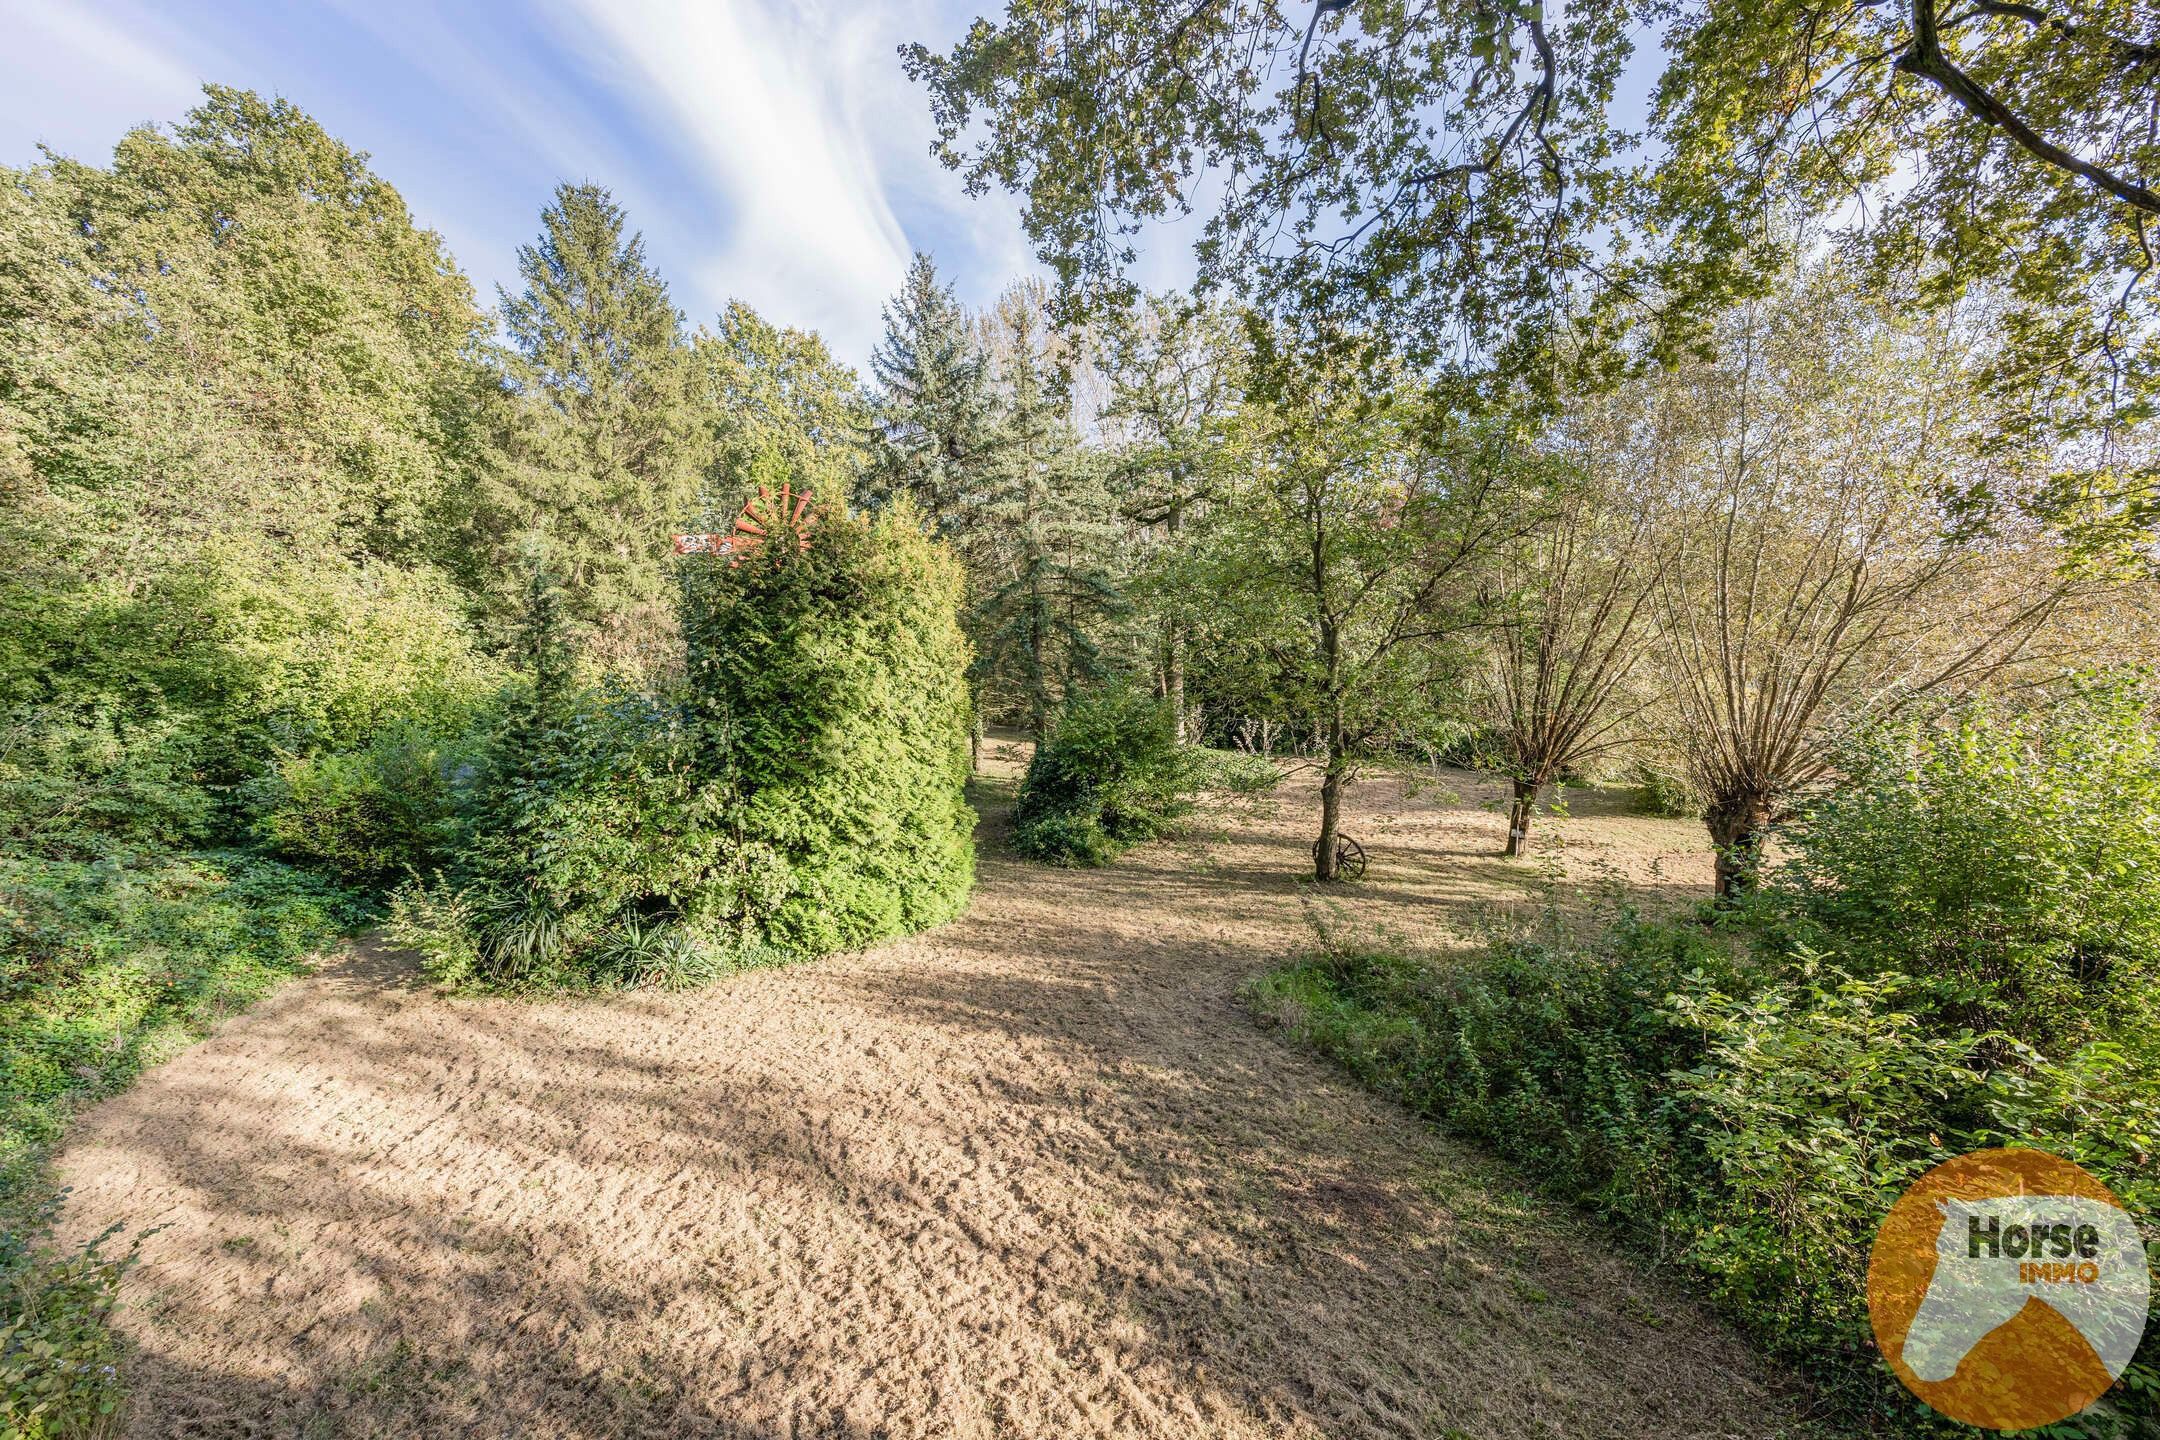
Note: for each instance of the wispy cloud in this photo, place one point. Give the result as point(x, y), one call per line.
point(763, 102)
point(94, 77)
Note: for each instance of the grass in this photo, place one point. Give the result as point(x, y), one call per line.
point(108, 965)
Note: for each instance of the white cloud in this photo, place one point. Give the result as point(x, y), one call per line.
point(769, 102)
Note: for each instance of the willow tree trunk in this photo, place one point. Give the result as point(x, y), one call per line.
point(1520, 809)
point(1736, 824)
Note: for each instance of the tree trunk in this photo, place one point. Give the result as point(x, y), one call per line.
point(1332, 781)
point(1175, 678)
point(1736, 824)
point(1520, 809)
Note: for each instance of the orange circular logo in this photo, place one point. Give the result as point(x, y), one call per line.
point(2008, 1288)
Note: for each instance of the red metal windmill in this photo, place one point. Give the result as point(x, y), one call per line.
point(764, 515)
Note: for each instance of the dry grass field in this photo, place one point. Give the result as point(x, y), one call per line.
point(1037, 1173)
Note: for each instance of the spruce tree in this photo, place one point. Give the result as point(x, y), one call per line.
point(1052, 530)
point(936, 435)
point(609, 446)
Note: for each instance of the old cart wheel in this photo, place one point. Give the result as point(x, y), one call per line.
point(1349, 857)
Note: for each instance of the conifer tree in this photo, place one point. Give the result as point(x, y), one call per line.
point(936, 436)
point(610, 446)
point(1052, 528)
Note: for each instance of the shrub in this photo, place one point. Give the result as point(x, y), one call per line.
point(1818, 1099)
point(1664, 787)
point(70, 778)
point(803, 793)
point(1732, 1098)
point(2009, 859)
point(827, 695)
point(1109, 776)
point(586, 819)
point(1237, 771)
point(107, 964)
point(368, 814)
point(58, 1362)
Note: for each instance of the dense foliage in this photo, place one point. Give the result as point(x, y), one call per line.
point(801, 792)
point(1110, 775)
point(59, 1367)
point(108, 963)
point(1959, 955)
point(2009, 859)
point(828, 688)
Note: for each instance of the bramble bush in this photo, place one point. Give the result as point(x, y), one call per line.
point(59, 1375)
point(1959, 955)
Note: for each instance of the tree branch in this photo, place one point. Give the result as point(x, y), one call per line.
point(1926, 60)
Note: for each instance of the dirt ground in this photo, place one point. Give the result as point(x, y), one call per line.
point(1038, 1173)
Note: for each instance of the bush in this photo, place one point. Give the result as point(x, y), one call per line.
point(365, 815)
point(1747, 1125)
point(1663, 787)
point(2009, 859)
point(1237, 771)
point(1110, 775)
point(58, 1363)
point(69, 777)
point(587, 818)
point(804, 793)
point(827, 693)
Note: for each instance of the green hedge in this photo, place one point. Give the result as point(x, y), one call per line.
point(829, 687)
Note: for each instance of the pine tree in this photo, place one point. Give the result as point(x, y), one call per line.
point(1052, 529)
point(936, 435)
point(610, 446)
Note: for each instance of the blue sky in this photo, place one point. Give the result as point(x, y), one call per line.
point(770, 151)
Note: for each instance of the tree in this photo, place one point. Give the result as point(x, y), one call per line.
point(234, 334)
point(1846, 547)
point(1174, 365)
point(935, 437)
point(609, 449)
point(1453, 177)
point(240, 413)
point(780, 399)
point(1574, 598)
point(1347, 553)
point(1348, 192)
point(1046, 532)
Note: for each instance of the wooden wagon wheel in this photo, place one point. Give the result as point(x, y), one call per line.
point(1349, 857)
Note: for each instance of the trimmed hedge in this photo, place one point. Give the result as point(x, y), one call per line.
point(829, 686)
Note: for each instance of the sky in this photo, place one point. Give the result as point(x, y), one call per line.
point(770, 151)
